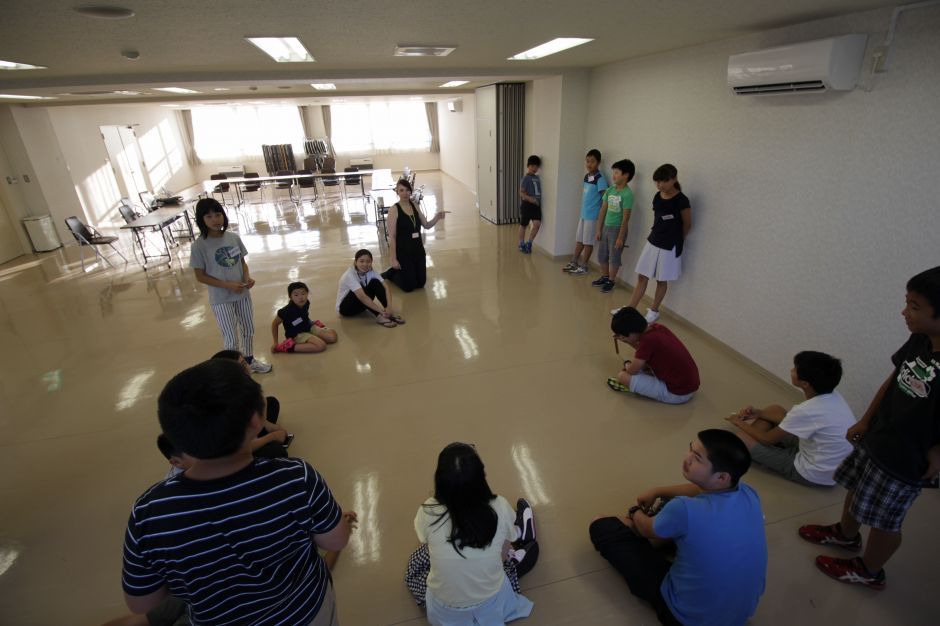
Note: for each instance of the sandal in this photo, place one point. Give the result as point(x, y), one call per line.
point(616, 385)
point(398, 319)
point(382, 320)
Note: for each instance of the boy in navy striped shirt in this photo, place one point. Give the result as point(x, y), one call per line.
point(233, 536)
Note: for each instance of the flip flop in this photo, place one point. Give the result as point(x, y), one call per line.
point(381, 320)
point(616, 385)
point(398, 319)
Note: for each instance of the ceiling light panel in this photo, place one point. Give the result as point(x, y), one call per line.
point(174, 90)
point(455, 83)
point(11, 65)
point(404, 50)
point(282, 49)
point(549, 47)
point(323, 86)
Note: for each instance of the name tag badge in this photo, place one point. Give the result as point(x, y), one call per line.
point(668, 216)
point(297, 322)
point(415, 235)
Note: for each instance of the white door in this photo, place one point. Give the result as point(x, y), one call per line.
point(486, 151)
point(121, 144)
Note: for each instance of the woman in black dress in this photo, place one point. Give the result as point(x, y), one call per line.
point(406, 247)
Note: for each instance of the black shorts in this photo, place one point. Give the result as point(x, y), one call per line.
point(529, 212)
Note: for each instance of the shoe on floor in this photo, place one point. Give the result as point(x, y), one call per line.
point(607, 287)
point(579, 270)
point(525, 520)
point(616, 385)
point(651, 316)
point(285, 346)
point(600, 282)
point(570, 267)
point(852, 571)
point(525, 557)
point(258, 366)
point(522, 247)
point(830, 535)
point(528, 248)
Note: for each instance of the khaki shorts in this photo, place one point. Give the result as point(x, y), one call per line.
point(315, 331)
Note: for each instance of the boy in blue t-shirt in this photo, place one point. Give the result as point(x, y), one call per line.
point(530, 210)
point(592, 194)
point(717, 525)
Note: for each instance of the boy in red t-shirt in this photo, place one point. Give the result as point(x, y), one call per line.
point(661, 369)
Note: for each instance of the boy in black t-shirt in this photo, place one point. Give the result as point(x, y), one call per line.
point(302, 335)
point(897, 447)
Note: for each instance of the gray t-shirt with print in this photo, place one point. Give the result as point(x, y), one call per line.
point(220, 258)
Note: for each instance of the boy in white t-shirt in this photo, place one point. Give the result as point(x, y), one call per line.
point(807, 443)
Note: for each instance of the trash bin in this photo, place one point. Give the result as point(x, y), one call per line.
point(42, 233)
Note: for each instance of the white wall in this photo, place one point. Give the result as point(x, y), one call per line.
point(20, 199)
point(458, 156)
point(810, 212)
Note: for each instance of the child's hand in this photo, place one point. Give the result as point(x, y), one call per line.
point(597, 236)
point(933, 463)
point(249, 283)
point(235, 287)
point(279, 436)
point(736, 419)
point(647, 498)
point(351, 518)
point(619, 243)
point(857, 432)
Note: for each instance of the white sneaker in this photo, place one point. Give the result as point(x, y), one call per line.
point(258, 366)
point(651, 316)
point(617, 310)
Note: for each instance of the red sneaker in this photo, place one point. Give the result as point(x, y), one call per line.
point(851, 571)
point(830, 536)
point(285, 346)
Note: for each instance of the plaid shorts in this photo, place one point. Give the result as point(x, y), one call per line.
point(419, 566)
point(880, 501)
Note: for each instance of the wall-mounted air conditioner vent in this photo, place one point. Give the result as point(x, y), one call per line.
point(809, 67)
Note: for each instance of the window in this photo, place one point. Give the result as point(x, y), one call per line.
point(162, 153)
point(236, 133)
point(380, 127)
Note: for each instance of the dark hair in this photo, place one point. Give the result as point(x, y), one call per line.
point(594, 152)
point(534, 160)
point(203, 208)
point(726, 452)
point(460, 486)
point(231, 355)
point(626, 166)
point(362, 253)
point(667, 171)
point(627, 321)
point(821, 371)
point(927, 284)
point(296, 285)
point(166, 448)
point(404, 183)
point(204, 410)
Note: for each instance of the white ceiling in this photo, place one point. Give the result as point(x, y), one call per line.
point(200, 44)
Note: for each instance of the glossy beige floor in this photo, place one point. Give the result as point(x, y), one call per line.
point(500, 349)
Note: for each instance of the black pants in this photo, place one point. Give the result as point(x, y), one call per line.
point(636, 560)
point(351, 305)
point(275, 449)
point(412, 275)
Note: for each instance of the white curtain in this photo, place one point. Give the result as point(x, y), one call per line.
point(184, 119)
point(366, 128)
point(431, 110)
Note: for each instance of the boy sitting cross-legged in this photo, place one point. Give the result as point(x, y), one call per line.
point(716, 523)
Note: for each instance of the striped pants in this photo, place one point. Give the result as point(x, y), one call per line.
point(233, 317)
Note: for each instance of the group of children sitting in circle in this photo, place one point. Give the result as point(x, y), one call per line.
point(232, 536)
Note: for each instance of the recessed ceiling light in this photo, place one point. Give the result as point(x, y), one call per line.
point(221, 89)
point(174, 90)
point(403, 50)
point(323, 86)
point(455, 83)
point(549, 47)
point(104, 12)
point(282, 49)
point(7, 95)
point(10, 65)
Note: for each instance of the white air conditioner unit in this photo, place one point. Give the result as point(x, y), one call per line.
point(455, 106)
point(808, 67)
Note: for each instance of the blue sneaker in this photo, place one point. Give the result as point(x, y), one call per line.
point(608, 286)
point(600, 282)
point(521, 246)
point(528, 248)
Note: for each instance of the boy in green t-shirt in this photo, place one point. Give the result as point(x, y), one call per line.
point(612, 224)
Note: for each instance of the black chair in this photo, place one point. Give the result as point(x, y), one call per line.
point(329, 167)
point(287, 183)
point(221, 188)
point(253, 187)
point(149, 201)
point(88, 236)
point(306, 183)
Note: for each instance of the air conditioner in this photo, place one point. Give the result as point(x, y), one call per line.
point(808, 67)
point(455, 106)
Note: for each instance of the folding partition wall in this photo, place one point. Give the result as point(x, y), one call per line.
point(500, 160)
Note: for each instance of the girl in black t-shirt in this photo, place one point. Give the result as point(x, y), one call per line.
point(660, 258)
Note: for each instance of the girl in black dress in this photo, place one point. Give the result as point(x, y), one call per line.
point(406, 247)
